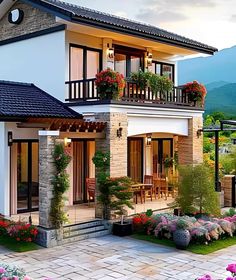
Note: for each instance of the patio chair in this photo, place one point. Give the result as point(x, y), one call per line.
point(90, 187)
point(148, 179)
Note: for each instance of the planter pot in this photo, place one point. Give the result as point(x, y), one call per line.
point(181, 238)
point(122, 230)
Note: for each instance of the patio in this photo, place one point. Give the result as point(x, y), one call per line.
point(83, 212)
point(111, 257)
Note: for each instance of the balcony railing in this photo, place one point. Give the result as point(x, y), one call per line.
point(85, 90)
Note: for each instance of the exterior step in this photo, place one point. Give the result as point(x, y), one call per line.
point(86, 236)
point(83, 225)
point(86, 230)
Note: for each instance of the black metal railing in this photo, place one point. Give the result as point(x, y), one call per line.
point(85, 90)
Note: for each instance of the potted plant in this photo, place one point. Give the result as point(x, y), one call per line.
point(160, 84)
point(120, 197)
point(110, 84)
point(140, 78)
point(196, 92)
point(181, 235)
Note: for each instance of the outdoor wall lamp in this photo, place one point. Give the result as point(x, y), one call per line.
point(199, 132)
point(149, 59)
point(149, 139)
point(119, 132)
point(67, 141)
point(10, 138)
point(110, 54)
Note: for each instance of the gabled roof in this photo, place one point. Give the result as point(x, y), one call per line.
point(90, 17)
point(23, 100)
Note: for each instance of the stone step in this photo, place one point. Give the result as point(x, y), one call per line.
point(86, 230)
point(86, 236)
point(79, 226)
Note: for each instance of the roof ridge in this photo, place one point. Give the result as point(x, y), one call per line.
point(16, 83)
point(170, 33)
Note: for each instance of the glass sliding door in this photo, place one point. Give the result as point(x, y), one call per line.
point(161, 149)
point(83, 167)
point(27, 176)
point(135, 159)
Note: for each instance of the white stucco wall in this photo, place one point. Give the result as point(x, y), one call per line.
point(4, 171)
point(39, 60)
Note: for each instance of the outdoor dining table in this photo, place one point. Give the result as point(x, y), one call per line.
point(141, 188)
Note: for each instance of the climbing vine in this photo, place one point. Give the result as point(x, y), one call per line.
point(61, 184)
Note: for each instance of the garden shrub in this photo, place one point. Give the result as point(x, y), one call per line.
point(197, 191)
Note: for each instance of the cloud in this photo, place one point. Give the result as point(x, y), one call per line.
point(153, 16)
point(233, 18)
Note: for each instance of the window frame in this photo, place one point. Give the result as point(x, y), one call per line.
point(162, 64)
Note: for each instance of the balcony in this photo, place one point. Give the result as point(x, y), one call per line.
point(81, 91)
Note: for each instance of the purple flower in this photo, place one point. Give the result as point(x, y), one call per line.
point(231, 268)
point(2, 270)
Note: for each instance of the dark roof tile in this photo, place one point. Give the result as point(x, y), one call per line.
point(26, 100)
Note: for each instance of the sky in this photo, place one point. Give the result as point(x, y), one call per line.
point(212, 22)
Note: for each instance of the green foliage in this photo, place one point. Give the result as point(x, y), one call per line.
point(140, 78)
point(149, 212)
point(208, 146)
point(182, 224)
point(230, 213)
point(60, 185)
point(159, 83)
point(196, 190)
point(114, 192)
point(227, 164)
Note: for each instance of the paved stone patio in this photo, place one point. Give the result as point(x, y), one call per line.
point(110, 257)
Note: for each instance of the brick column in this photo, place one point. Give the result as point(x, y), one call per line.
point(227, 183)
point(116, 145)
point(190, 148)
point(46, 173)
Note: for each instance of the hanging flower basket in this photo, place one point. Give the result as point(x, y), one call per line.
point(110, 84)
point(196, 92)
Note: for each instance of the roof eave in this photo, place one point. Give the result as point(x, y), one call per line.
point(94, 23)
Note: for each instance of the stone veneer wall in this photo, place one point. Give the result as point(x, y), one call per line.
point(226, 185)
point(190, 148)
point(34, 20)
point(46, 174)
point(117, 147)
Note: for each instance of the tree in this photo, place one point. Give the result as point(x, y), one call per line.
point(196, 190)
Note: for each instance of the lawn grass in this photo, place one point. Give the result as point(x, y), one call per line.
point(16, 246)
point(194, 248)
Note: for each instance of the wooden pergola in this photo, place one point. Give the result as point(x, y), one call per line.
point(77, 128)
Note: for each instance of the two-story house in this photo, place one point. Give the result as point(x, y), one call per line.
point(60, 48)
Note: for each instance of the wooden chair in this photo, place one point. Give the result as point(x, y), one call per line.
point(164, 187)
point(148, 179)
point(90, 187)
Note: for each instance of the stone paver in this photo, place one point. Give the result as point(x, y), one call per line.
point(114, 258)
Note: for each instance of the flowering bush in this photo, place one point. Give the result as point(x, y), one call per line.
point(19, 231)
point(110, 84)
point(202, 231)
point(195, 91)
point(8, 272)
point(231, 268)
point(22, 232)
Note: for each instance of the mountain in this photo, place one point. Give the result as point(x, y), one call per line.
point(218, 74)
point(222, 99)
point(219, 67)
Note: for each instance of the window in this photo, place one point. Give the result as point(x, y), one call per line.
point(128, 60)
point(164, 69)
point(85, 63)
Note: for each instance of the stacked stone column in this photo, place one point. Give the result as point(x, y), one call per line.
point(116, 145)
point(190, 148)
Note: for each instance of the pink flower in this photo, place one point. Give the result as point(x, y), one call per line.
point(15, 278)
point(231, 268)
point(2, 270)
point(4, 278)
point(206, 277)
point(27, 278)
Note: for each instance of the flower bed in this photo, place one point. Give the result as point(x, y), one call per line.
point(19, 231)
point(202, 230)
point(9, 272)
point(231, 268)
